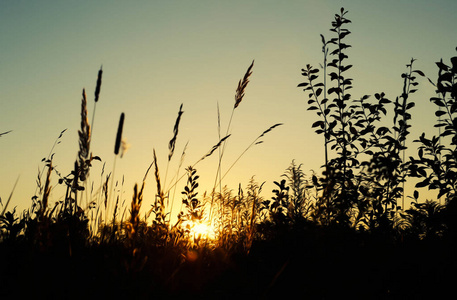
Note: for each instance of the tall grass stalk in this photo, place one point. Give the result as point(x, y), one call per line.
point(208, 154)
point(172, 144)
point(159, 201)
point(6, 132)
point(117, 145)
point(177, 176)
point(49, 157)
point(9, 198)
point(239, 94)
point(84, 134)
point(255, 142)
point(97, 95)
point(46, 192)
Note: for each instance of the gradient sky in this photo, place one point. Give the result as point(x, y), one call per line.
point(159, 54)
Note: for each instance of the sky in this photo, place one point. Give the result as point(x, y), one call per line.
point(157, 55)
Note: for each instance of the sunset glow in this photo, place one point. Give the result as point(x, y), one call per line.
point(275, 149)
point(202, 230)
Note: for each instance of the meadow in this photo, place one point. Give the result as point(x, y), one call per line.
point(342, 232)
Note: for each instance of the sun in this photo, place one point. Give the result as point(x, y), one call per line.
point(202, 230)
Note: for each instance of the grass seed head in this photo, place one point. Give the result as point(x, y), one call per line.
point(242, 86)
point(99, 84)
point(117, 145)
point(84, 139)
point(172, 143)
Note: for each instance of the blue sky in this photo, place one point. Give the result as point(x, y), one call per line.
point(159, 54)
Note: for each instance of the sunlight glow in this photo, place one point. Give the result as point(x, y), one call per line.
point(201, 230)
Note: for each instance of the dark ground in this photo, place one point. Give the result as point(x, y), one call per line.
point(318, 264)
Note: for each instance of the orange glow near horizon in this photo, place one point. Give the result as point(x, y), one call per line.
point(201, 230)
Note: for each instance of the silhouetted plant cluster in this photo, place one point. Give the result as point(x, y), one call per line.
point(365, 166)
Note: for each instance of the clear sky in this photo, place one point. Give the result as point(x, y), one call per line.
point(159, 54)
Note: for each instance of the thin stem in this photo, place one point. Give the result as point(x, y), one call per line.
point(111, 189)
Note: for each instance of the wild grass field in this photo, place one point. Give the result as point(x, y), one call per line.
point(343, 232)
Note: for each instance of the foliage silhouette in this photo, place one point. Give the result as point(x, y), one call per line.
point(363, 178)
